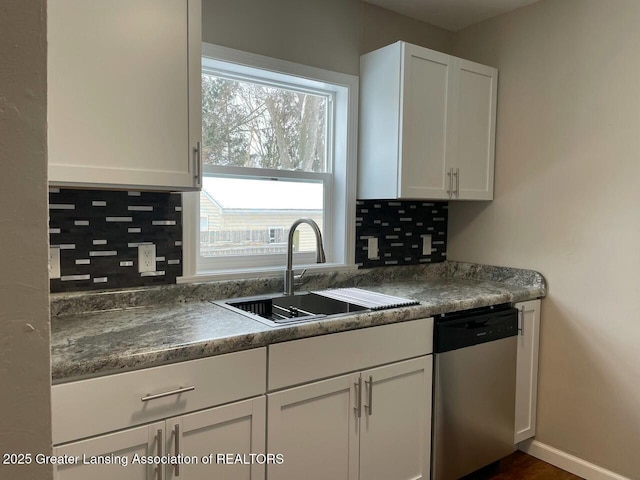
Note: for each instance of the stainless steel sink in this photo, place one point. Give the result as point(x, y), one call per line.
point(277, 310)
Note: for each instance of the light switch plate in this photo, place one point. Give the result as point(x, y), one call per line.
point(372, 248)
point(146, 258)
point(54, 262)
point(426, 244)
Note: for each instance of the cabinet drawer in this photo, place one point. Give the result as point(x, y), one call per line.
point(94, 406)
point(309, 359)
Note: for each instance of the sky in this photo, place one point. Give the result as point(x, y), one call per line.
point(264, 194)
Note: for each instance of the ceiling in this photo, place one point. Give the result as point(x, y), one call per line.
point(451, 15)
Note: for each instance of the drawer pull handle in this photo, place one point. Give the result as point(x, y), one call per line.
point(168, 394)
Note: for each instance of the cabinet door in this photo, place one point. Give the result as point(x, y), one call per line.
point(315, 427)
point(237, 429)
point(395, 430)
point(142, 441)
point(475, 106)
point(527, 370)
point(124, 92)
point(426, 124)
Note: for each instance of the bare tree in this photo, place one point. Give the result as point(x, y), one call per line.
point(246, 124)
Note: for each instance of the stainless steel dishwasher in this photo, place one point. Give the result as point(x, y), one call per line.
point(474, 389)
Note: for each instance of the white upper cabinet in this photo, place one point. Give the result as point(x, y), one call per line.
point(475, 129)
point(124, 93)
point(427, 126)
point(424, 129)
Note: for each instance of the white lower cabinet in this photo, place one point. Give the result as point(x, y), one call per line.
point(395, 428)
point(527, 369)
point(237, 429)
point(197, 408)
point(315, 428)
point(142, 441)
point(374, 424)
point(345, 406)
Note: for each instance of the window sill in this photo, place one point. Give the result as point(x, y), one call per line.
point(263, 272)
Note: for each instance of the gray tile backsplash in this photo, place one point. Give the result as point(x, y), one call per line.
point(401, 227)
point(98, 233)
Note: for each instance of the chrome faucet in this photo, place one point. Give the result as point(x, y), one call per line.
point(320, 257)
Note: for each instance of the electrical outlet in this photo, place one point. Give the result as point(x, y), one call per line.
point(372, 248)
point(54, 262)
point(146, 258)
point(426, 244)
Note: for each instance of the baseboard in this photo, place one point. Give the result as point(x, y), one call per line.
point(568, 462)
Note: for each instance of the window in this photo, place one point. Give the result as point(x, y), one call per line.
point(276, 235)
point(278, 144)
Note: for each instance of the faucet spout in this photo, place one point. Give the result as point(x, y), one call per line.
point(320, 256)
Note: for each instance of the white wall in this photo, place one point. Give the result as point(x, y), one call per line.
point(323, 34)
point(329, 34)
point(567, 203)
point(25, 378)
point(382, 27)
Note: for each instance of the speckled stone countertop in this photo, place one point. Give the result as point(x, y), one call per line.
point(107, 332)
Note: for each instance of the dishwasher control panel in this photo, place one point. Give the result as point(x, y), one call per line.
point(471, 327)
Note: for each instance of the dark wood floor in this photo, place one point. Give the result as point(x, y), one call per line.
point(520, 466)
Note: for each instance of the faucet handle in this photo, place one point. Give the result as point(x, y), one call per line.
point(298, 278)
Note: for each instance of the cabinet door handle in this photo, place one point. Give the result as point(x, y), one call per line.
point(450, 175)
point(457, 175)
point(370, 394)
point(177, 391)
point(176, 433)
point(197, 166)
point(160, 466)
point(521, 329)
point(358, 407)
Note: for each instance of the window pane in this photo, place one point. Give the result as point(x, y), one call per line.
point(245, 124)
point(253, 216)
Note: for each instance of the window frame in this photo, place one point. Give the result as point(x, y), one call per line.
point(339, 181)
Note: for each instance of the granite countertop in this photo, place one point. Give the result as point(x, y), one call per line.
point(102, 333)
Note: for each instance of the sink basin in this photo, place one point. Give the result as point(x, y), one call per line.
point(276, 310)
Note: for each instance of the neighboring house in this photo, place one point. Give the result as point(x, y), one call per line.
point(227, 229)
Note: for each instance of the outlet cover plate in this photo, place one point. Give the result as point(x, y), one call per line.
point(146, 258)
point(426, 245)
point(372, 248)
point(54, 262)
